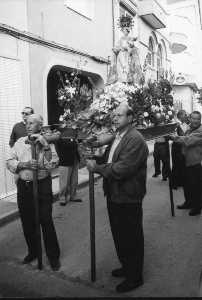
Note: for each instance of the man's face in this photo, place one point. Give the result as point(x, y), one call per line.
point(195, 121)
point(33, 125)
point(25, 113)
point(182, 118)
point(120, 118)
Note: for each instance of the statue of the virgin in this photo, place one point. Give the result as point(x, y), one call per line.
point(126, 63)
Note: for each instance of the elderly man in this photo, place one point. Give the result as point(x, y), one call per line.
point(124, 171)
point(19, 129)
point(20, 161)
point(192, 150)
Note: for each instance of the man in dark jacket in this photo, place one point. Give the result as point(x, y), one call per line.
point(124, 171)
point(19, 129)
point(192, 150)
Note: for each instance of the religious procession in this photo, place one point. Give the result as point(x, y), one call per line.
point(101, 176)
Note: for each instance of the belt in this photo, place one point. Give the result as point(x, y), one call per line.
point(27, 182)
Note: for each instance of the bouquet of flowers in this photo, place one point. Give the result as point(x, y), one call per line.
point(152, 105)
point(72, 97)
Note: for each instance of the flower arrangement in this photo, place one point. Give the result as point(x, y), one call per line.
point(125, 22)
point(73, 96)
point(152, 105)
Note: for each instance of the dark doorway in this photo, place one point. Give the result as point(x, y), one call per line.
point(87, 82)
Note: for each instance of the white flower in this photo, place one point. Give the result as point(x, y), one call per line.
point(170, 113)
point(146, 114)
point(72, 91)
point(167, 117)
point(61, 98)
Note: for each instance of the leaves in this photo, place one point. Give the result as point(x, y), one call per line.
point(152, 104)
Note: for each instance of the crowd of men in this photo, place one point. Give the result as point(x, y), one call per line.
point(123, 167)
point(186, 160)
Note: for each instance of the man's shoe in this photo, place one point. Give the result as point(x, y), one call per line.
point(55, 265)
point(156, 174)
point(118, 272)
point(164, 178)
point(29, 258)
point(184, 206)
point(75, 200)
point(195, 212)
point(63, 203)
point(128, 285)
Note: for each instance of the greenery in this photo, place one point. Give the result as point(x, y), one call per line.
point(152, 104)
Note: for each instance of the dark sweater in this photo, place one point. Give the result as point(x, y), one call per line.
point(67, 152)
point(19, 130)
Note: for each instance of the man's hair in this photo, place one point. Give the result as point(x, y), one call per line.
point(181, 113)
point(30, 108)
point(37, 117)
point(196, 112)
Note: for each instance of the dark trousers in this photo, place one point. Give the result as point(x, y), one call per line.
point(127, 231)
point(27, 214)
point(193, 186)
point(161, 154)
point(178, 165)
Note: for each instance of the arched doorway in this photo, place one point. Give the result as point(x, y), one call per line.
point(88, 83)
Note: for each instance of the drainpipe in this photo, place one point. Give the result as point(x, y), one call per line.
point(113, 24)
point(199, 7)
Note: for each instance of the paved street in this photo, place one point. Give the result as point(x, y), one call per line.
point(173, 256)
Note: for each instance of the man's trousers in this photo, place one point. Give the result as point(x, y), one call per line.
point(127, 230)
point(161, 153)
point(193, 186)
point(26, 207)
point(68, 181)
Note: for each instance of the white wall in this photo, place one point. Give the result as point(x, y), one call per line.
point(14, 13)
point(185, 95)
point(54, 21)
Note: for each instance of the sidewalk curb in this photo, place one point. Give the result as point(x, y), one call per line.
point(14, 214)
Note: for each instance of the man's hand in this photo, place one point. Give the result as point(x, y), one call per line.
point(91, 165)
point(39, 138)
point(171, 137)
point(32, 165)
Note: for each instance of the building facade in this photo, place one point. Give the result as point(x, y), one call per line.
point(45, 41)
point(185, 26)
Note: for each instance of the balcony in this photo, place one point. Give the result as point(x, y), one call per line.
point(152, 13)
point(180, 29)
point(178, 42)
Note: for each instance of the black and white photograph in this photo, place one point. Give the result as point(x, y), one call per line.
point(100, 149)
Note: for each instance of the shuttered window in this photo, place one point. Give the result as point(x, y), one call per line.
point(11, 104)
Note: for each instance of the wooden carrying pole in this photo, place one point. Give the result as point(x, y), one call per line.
point(92, 221)
point(92, 226)
point(170, 183)
point(36, 208)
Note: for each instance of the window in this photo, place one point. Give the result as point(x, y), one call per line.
point(159, 63)
point(150, 55)
point(83, 7)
